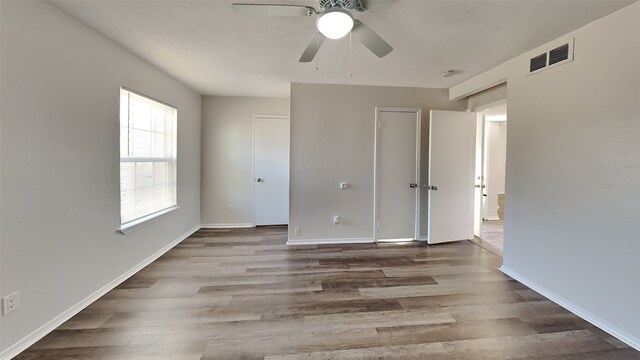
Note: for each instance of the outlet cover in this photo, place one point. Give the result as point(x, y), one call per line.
point(230, 208)
point(298, 231)
point(11, 303)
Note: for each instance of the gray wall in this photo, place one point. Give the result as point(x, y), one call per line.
point(572, 222)
point(332, 141)
point(227, 143)
point(60, 163)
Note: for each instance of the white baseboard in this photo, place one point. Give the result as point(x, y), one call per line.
point(329, 241)
point(39, 333)
point(492, 218)
point(227, 226)
point(584, 314)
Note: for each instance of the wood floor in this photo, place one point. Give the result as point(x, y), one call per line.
point(244, 294)
point(492, 236)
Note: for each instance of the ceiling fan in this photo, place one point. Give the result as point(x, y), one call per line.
point(334, 22)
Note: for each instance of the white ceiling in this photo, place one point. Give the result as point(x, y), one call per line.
point(217, 52)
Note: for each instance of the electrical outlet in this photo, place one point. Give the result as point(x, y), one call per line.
point(297, 231)
point(10, 303)
point(230, 208)
point(336, 219)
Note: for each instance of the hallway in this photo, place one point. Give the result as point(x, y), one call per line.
point(492, 236)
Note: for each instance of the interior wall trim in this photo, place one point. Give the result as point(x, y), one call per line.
point(330, 241)
point(21, 345)
point(606, 326)
point(227, 226)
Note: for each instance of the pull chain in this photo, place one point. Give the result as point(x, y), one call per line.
point(317, 51)
point(350, 55)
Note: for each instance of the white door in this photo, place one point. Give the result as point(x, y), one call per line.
point(271, 170)
point(452, 138)
point(397, 173)
point(479, 176)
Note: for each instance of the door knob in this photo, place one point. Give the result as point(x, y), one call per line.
point(258, 179)
point(413, 186)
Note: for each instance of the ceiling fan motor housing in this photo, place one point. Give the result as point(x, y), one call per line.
point(345, 4)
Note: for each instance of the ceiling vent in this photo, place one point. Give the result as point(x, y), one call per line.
point(554, 57)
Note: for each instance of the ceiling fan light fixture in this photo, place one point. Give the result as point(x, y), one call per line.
point(335, 23)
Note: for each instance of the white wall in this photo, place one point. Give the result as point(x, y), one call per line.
point(227, 140)
point(60, 163)
point(495, 153)
point(332, 141)
point(572, 226)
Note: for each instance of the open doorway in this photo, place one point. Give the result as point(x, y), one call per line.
point(491, 152)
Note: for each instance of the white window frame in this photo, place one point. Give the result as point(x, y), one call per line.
point(155, 216)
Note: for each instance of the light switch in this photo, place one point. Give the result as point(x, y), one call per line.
point(344, 185)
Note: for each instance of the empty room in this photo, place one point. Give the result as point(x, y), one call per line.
point(319, 179)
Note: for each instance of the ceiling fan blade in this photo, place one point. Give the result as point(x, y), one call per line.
point(273, 10)
point(312, 48)
point(370, 39)
point(372, 4)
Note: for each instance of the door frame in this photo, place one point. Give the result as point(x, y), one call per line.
point(412, 110)
point(253, 159)
point(477, 110)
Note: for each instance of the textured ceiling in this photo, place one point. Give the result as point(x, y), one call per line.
point(217, 52)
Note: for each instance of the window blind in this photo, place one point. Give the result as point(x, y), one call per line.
point(147, 156)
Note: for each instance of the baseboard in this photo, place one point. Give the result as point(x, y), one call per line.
point(39, 333)
point(227, 226)
point(329, 241)
point(492, 218)
point(577, 310)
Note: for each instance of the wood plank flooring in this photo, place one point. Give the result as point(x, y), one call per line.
point(244, 294)
point(492, 236)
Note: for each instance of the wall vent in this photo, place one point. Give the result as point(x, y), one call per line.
point(538, 62)
point(561, 53)
point(554, 57)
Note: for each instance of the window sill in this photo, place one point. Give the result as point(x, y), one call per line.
point(149, 219)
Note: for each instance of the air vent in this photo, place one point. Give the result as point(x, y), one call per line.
point(538, 62)
point(559, 55)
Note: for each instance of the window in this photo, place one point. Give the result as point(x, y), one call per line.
point(147, 159)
